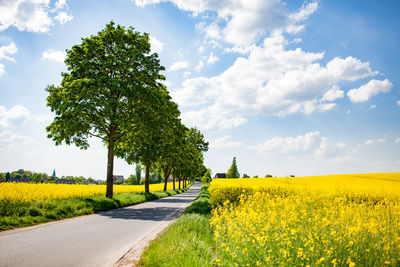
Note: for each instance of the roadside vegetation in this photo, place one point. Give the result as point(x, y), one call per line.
point(18, 213)
point(188, 241)
point(332, 220)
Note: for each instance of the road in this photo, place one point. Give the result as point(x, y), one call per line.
point(94, 240)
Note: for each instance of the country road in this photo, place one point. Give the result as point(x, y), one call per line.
point(94, 240)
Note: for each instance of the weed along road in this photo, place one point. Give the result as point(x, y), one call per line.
point(102, 239)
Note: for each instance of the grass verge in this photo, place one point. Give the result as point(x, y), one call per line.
point(188, 241)
point(20, 214)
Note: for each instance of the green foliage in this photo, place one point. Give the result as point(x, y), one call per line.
point(233, 170)
point(207, 176)
point(37, 177)
point(19, 214)
point(107, 91)
point(8, 176)
point(267, 176)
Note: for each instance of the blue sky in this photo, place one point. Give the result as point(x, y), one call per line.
point(288, 87)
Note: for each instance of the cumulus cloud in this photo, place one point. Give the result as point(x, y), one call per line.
point(32, 16)
point(63, 17)
point(19, 115)
point(271, 80)
point(333, 94)
point(5, 52)
point(398, 103)
point(373, 87)
point(310, 143)
point(199, 66)
point(179, 65)
point(224, 142)
point(16, 115)
point(242, 22)
point(156, 45)
point(212, 59)
point(54, 55)
point(397, 140)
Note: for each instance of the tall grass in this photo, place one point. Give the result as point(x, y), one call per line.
point(188, 241)
point(24, 213)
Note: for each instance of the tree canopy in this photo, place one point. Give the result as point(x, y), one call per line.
point(107, 90)
point(233, 170)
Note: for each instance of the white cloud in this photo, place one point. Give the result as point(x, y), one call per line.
point(271, 81)
point(60, 4)
point(201, 49)
point(398, 103)
point(199, 66)
point(63, 17)
point(212, 118)
point(223, 142)
point(397, 140)
point(242, 22)
point(179, 65)
point(373, 141)
point(372, 106)
point(212, 59)
point(187, 74)
point(54, 55)
point(310, 143)
point(333, 94)
point(373, 87)
point(156, 45)
point(20, 115)
point(30, 15)
point(16, 115)
point(7, 50)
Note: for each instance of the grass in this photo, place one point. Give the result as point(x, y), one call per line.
point(19, 214)
point(188, 241)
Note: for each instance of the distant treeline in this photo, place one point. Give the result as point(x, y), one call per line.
point(24, 176)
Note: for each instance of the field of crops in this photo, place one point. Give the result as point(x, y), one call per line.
point(24, 192)
point(335, 220)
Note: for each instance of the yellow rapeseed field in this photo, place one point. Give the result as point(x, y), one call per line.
point(25, 192)
point(334, 220)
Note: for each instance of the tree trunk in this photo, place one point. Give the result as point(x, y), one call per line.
point(166, 175)
point(147, 179)
point(179, 179)
point(173, 181)
point(184, 182)
point(110, 162)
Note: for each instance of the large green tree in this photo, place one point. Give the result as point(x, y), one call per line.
point(233, 170)
point(107, 88)
point(145, 142)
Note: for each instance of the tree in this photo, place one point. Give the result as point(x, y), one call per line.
point(144, 143)
point(107, 87)
point(233, 170)
point(37, 177)
point(8, 177)
point(138, 173)
point(54, 173)
point(207, 176)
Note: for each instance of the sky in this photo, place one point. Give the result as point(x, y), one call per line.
point(287, 87)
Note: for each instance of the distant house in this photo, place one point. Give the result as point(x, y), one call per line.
point(120, 178)
point(220, 175)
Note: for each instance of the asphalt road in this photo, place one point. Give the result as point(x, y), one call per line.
point(94, 240)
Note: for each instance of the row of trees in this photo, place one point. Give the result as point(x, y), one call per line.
point(112, 90)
